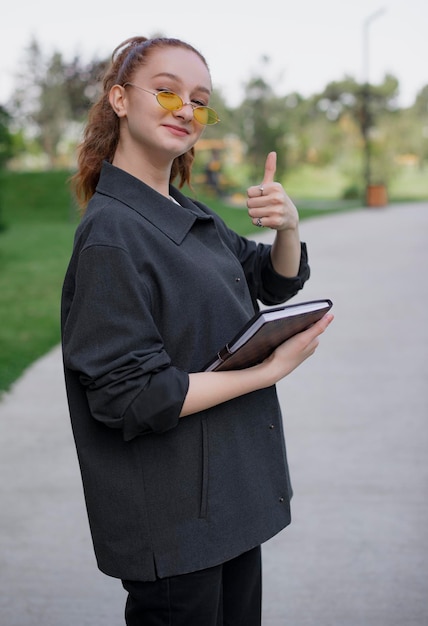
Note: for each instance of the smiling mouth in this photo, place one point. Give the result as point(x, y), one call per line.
point(177, 129)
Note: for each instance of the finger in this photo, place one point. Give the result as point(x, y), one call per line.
point(268, 176)
point(313, 332)
point(309, 338)
point(322, 324)
point(270, 168)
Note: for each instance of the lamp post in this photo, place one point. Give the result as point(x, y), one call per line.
point(366, 122)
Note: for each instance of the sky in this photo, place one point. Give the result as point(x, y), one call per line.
point(309, 43)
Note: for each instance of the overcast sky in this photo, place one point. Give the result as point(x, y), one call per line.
point(309, 42)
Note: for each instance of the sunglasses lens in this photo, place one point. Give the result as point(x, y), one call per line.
point(169, 100)
point(205, 115)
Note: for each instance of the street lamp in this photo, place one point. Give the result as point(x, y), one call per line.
point(366, 122)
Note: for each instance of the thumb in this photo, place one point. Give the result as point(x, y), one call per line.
point(270, 168)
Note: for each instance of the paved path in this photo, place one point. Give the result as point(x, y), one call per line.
point(356, 418)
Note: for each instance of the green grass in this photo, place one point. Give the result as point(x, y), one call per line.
point(32, 262)
point(35, 245)
point(38, 222)
point(315, 183)
point(410, 184)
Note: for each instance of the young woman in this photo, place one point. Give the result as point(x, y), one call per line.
point(184, 471)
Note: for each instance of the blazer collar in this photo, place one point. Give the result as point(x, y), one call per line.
point(173, 220)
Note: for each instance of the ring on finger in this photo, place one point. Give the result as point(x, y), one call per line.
point(261, 189)
point(259, 222)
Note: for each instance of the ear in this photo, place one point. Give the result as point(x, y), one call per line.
point(117, 100)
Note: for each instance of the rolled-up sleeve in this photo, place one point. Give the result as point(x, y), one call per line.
point(277, 288)
point(111, 341)
point(165, 390)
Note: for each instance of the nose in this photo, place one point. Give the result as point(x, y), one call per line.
point(186, 111)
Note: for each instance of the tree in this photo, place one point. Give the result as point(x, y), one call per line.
point(6, 151)
point(419, 115)
point(262, 124)
point(82, 85)
point(365, 104)
point(6, 138)
point(52, 97)
point(26, 94)
point(53, 112)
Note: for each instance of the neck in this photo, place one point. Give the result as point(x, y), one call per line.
point(145, 170)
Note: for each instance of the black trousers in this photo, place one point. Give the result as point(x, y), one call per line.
point(224, 595)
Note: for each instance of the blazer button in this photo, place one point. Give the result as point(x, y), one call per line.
point(237, 279)
point(271, 426)
point(281, 499)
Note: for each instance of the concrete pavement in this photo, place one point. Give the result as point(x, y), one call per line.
point(356, 418)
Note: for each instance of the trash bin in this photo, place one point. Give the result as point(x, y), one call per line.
point(376, 195)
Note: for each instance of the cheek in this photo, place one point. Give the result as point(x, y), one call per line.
point(199, 130)
point(141, 122)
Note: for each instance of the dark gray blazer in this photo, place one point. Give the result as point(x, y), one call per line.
point(152, 291)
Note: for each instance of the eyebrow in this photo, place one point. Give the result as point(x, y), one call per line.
point(176, 78)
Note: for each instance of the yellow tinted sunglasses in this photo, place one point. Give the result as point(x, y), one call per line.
point(172, 102)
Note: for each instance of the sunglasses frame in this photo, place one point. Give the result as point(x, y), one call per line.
point(195, 107)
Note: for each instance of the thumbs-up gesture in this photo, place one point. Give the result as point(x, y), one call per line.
point(268, 204)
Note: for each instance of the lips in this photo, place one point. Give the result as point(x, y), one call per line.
point(179, 131)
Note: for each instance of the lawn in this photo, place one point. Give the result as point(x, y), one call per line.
point(35, 244)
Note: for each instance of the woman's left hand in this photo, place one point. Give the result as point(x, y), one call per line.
point(268, 204)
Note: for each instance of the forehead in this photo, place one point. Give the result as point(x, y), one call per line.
point(181, 63)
